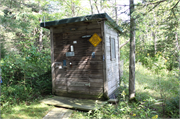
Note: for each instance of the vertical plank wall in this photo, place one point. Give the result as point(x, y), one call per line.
point(84, 79)
point(112, 69)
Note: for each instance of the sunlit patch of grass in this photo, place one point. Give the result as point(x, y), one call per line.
point(152, 89)
point(36, 111)
point(79, 115)
point(160, 86)
point(155, 85)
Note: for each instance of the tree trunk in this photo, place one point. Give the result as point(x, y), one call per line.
point(116, 12)
point(73, 8)
point(155, 40)
point(40, 39)
point(40, 36)
point(178, 49)
point(132, 54)
point(154, 36)
point(41, 30)
point(91, 6)
point(96, 6)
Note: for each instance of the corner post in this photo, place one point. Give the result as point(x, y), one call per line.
point(52, 61)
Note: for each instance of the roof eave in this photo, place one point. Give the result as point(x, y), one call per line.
point(86, 18)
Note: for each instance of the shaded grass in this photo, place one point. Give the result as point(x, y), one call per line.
point(35, 110)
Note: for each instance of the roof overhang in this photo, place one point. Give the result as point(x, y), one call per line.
point(87, 18)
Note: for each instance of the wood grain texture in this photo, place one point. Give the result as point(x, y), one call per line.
point(85, 74)
point(112, 68)
point(75, 103)
point(52, 61)
point(105, 88)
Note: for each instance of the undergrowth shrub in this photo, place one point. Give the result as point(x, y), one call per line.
point(25, 75)
point(172, 107)
point(124, 109)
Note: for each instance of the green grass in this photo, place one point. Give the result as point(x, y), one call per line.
point(35, 110)
point(163, 85)
point(154, 92)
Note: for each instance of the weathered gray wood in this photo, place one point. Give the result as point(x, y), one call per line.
point(78, 89)
point(61, 82)
point(61, 87)
point(112, 100)
point(97, 91)
point(84, 84)
point(58, 113)
point(52, 61)
point(59, 58)
point(112, 72)
point(89, 72)
point(79, 34)
point(81, 104)
point(86, 45)
point(65, 75)
point(78, 84)
point(105, 86)
point(81, 79)
point(63, 47)
point(78, 27)
point(80, 95)
point(86, 74)
point(78, 80)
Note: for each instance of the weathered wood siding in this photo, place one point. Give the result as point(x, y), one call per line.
point(112, 69)
point(85, 77)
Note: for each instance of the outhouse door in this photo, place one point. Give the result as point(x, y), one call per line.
point(81, 73)
point(79, 70)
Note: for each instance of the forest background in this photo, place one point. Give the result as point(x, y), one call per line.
point(25, 48)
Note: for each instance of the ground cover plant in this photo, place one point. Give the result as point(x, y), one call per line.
point(26, 78)
point(35, 110)
point(156, 97)
point(151, 102)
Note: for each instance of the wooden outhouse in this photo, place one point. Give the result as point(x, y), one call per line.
point(85, 56)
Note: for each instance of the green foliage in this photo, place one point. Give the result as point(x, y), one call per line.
point(25, 76)
point(16, 94)
point(26, 57)
point(150, 85)
point(172, 107)
point(155, 33)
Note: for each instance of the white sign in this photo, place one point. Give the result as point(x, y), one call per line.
point(69, 54)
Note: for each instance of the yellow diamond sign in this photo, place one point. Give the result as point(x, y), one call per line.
point(95, 39)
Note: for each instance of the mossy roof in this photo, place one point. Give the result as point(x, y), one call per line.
point(102, 16)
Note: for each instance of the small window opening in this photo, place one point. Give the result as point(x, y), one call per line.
point(113, 48)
